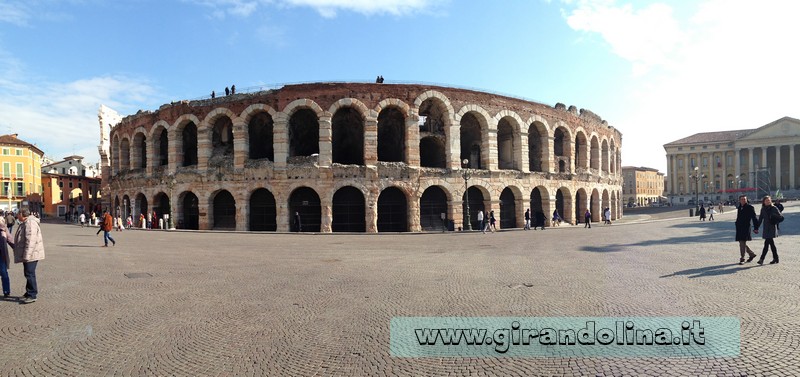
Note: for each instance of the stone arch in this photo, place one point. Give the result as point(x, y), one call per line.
point(564, 204)
point(604, 156)
point(305, 202)
point(219, 131)
point(537, 146)
point(348, 210)
point(184, 134)
point(348, 125)
point(595, 205)
point(581, 149)
point(393, 102)
point(562, 140)
point(474, 124)
point(303, 131)
point(139, 150)
point(188, 211)
point(161, 206)
point(140, 208)
point(263, 214)
point(581, 204)
point(479, 197)
point(392, 210)
point(259, 133)
point(435, 96)
point(509, 198)
point(432, 204)
point(509, 140)
point(222, 210)
point(125, 154)
point(392, 133)
point(594, 147)
point(432, 152)
point(159, 136)
point(540, 206)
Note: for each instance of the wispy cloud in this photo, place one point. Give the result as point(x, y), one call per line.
point(326, 8)
point(16, 13)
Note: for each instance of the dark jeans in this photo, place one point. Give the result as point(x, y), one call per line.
point(30, 275)
point(107, 236)
point(4, 275)
point(769, 243)
point(588, 223)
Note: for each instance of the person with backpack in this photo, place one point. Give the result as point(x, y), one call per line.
point(770, 217)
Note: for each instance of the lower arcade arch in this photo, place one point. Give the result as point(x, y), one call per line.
point(432, 205)
point(392, 211)
point(348, 210)
point(224, 211)
point(263, 212)
point(305, 210)
point(190, 211)
point(508, 209)
point(476, 204)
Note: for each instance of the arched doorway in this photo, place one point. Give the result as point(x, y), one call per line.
point(347, 137)
point(392, 211)
point(508, 209)
point(260, 135)
point(305, 202)
point(263, 213)
point(476, 204)
point(224, 211)
point(391, 135)
point(161, 206)
point(349, 214)
point(189, 144)
point(580, 205)
point(190, 213)
point(560, 205)
point(431, 152)
point(431, 206)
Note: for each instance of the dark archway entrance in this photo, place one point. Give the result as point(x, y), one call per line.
point(431, 206)
point(508, 209)
point(303, 133)
point(189, 139)
point(126, 208)
point(347, 129)
point(392, 211)
point(391, 135)
point(349, 213)
point(141, 208)
point(305, 201)
point(431, 152)
point(161, 206)
point(475, 205)
point(471, 141)
point(263, 213)
point(222, 137)
point(224, 211)
point(191, 212)
point(580, 206)
point(259, 133)
point(560, 204)
point(163, 148)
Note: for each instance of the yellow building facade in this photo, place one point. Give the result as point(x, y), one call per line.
point(20, 173)
point(642, 186)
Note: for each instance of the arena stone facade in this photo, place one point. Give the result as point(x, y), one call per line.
point(359, 157)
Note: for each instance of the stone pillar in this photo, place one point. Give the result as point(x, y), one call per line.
point(712, 187)
point(204, 220)
point(280, 140)
point(371, 140)
point(778, 166)
point(548, 158)
point(737, 167)
point(203, 146)
point(151, 156)
point(371, 210)
point(520, 205)
point(792, 175)
point(452, 147)
point(413, 215)
point(282, 211)
point(524, 157)
point(572, 163)
point(751, 168)
point(489, 154)
point(175, 151)
point(412, 141)
point(326, 209)
point(455, 211)
point(325, 141)
point(763, 157)
point(241, 145)
point(242, 218)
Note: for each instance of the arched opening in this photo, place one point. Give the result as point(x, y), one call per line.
point(392, 211)
point(581, 150)
point(606, 204)
point(476, 204)
point(540, 207)
point(163, 147)
point(126, 208)
point(125, 155)
point(595, 154)
point(471, 141)
point(191, 212)
point(117, 211)
point(222, 137)
point(594, 206)
point(224, 211)
point(431, 152)
point(140, 143)
point(604, 162)
point(303, 133)
point(141, 210)
point(434, 113)
point(505, 145)
point(348, 137)
point(391, 135)
point(560, 204)
point(613, 168)
point(259, 133)
point(508, 209)
point(535, 148)
point(562, 166)
point(189, 140)
point(349, 213)
point(580, 205)
point(161, 206)
point(432, 205)
point(263, 212)
point(559, 138)
point(304, 202)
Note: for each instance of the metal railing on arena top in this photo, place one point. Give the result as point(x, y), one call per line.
point(267, 87)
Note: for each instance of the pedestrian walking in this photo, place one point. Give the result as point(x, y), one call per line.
point(298, 226)
point(480, 221)
point(492, 222)
point(108, 226)
point(556, 218)
point(82, 219)
point(527, 219)
point(587, 219)
point(10, 221)
point(745, 214)
point(711, 212)
point(28, 250)
point(4, 258)
point(130, 222)
point(540, 220)
point(94, 219)
point(769, 217)
point(119, 223)
point(702, 212)
point(607, 215)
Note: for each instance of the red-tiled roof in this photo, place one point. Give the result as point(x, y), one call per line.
point(13, 140)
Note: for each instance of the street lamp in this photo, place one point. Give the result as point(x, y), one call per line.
point(697, 177)
point(466, 174)
point(170, 181)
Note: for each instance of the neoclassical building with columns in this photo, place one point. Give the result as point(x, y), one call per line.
point(356, 157)
point(730, 163)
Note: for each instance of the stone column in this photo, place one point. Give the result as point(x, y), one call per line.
point(204, 220)
point(686, 172)
point(371, 140)
point(241, 145)
point(778, 166)
point(489, 154)
point(412, 141)
point(455, 211)
point(548, 159)
point(371, 210)
point(763, 157)
point(792, 175)
point(452, 147)
point(151, 157)
point(242, 217)
point(572, 163)
point(280, 140)
point(325, 141)
point(203, 146)
point(175, 151)
point(521, 153)
point(282, 211)
point(413, 215)
point(737, 167)
point(751, 168)
point(326, 218)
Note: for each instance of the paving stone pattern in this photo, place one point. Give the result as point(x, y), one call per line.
point(231, 304)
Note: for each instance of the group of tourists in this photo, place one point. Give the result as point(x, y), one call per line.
point(28, 249)
point(768, 221)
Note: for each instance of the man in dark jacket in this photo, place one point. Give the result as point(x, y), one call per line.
point(745, 214)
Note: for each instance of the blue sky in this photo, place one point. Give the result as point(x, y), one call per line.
point(657, 71)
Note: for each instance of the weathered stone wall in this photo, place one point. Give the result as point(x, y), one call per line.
point(589, 171)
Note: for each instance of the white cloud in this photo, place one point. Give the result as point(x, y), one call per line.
point(16, 13)
point(729, 65)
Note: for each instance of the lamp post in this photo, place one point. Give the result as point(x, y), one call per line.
point(466, 174)
point(697, 176)
point(170, 181)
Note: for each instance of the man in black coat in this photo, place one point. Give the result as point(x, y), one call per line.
point(745, 214)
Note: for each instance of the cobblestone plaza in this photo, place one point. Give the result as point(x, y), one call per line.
point(279, 304)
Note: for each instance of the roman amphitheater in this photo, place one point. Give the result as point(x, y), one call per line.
point(358, 157)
